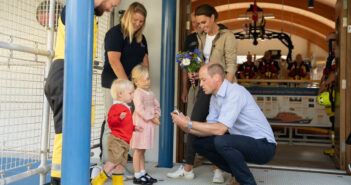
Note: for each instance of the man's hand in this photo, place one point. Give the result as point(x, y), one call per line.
point(138, 128)
point(122, 115)
point(181, 121)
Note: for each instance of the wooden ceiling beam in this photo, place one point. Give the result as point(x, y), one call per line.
point(319, 8)
point(288, 18)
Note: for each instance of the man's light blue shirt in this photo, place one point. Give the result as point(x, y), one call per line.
point(235, 107)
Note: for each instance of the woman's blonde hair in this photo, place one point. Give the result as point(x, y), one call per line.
point(139, 72)
point(120, 85)
point(127, 26)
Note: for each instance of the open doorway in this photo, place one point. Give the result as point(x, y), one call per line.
point(300, 153)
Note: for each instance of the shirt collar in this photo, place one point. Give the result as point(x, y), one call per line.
point(222, 90)
point(120, 102)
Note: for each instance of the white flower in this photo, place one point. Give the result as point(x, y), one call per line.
point(185, 62)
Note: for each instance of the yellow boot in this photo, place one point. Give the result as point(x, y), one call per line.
point(117, 179)
point(331, 151)
point(99, 179)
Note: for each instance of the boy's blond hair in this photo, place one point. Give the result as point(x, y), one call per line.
point(120, 85)
point(139, 72)
point(127, 25)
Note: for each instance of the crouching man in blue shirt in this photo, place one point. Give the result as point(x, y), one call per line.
point(233, 109)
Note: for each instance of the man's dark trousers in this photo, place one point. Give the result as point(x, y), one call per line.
point(231, 152)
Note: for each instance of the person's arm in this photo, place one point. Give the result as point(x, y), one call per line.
point(146, 61)
point(146, 56)
point(230, 52)
point(207, 129)
point(324, 84)
point(157, 107)
point(115, 115)
point(199, 128)
point(322, 79)
point(116, 65)
point(229, 77)
point(331, 78)
point(184, 86)
point(156, 119)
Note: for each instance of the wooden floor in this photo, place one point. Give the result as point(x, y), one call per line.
point(302, 156)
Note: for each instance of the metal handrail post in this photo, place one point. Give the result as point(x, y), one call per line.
point(46, 110)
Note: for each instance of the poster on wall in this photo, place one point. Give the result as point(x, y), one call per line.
point(291, 106)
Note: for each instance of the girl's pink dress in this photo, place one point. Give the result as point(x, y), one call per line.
point(146, 106)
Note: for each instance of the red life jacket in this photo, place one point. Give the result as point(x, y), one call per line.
point(268, 67)
point(249, 69)
point(299, 71)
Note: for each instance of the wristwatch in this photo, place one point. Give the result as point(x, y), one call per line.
point(190, 124)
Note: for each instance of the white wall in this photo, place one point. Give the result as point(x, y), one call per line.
point(152, 33)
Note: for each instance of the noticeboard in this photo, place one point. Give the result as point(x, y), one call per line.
point(290, 106)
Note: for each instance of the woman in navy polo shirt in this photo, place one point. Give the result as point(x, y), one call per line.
point(125, 47)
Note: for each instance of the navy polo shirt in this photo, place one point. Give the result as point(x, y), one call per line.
point(132, 54)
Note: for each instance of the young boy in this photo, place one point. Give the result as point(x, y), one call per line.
point(121, 124)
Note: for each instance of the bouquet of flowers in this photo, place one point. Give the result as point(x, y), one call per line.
point(190, 61)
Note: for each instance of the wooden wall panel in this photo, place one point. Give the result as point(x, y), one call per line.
point(348, 86)
point(340, 111)
point(184, 16)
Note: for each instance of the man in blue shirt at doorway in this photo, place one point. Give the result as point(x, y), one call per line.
point(232, 109)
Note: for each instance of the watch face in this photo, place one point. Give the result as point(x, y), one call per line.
point(43, 14)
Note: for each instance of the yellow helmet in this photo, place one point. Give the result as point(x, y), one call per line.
point(323, 99)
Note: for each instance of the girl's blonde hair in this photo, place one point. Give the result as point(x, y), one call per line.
point(127, 26)
point(120, 85)
point(139, 72)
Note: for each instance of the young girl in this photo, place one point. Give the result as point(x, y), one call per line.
point(147, 113)
point(120, 122)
